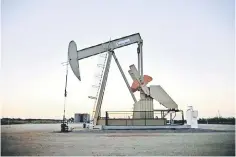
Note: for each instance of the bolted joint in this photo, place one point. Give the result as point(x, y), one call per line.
point(111, 50)
point(140, 42)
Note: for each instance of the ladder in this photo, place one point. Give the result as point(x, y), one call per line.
point(98, 78)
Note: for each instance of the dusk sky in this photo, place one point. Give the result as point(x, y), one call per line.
point(188, 50)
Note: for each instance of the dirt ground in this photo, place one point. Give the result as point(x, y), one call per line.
point(133, 143)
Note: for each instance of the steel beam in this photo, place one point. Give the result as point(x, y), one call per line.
point(123, 75)
point(141, 59)
point(109, 46)
point(102, 89)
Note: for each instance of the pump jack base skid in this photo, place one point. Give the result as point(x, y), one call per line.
point(165, 127)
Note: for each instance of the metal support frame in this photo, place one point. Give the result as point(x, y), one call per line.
point(182, 116)
point(103, 85)
point(140, 66)
point(138, 52)
point(123, 75)
point(102, 89)
point(141, 59)
point(106, 118)
point(170, 118)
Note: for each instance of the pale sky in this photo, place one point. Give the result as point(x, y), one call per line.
point(188, 50)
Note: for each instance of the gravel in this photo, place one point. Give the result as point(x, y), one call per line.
point(46, 142)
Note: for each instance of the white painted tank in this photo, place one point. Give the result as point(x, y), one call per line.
point(191, 117)
point(194, 119)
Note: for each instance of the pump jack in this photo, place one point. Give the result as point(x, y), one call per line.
point(140, 81)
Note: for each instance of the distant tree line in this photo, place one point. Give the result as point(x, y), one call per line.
point(217, 120)
point(214, 120)
point(6, 121)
